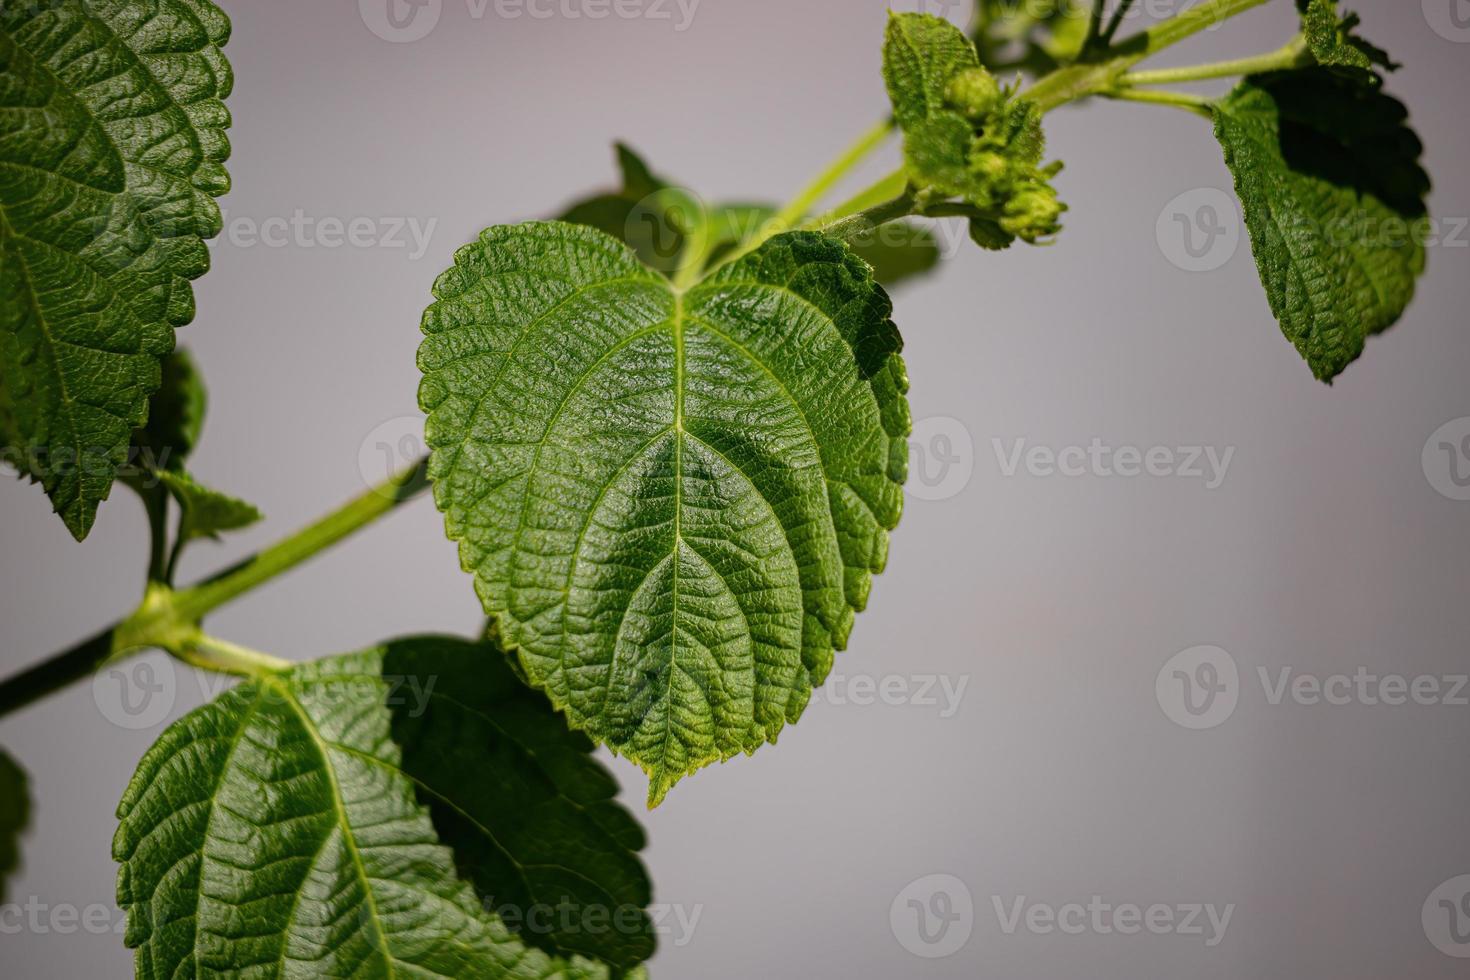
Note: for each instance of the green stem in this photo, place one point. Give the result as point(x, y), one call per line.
point(1121, 12)
point(1294, 55)
point(1180, 100)
point(1095, 77)
point(193, 603)
point(169, 619)
point(801, 205)
point(155, 503)
point(793, 213)
point(857, 225)
point(886, 189)
point(211, 653)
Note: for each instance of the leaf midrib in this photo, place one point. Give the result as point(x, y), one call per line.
point(339, 809)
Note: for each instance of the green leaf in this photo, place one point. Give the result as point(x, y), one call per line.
point(673, 503)
point(648, 213)
point(964, 136)
point(310, 824)
point(1328, 172)
point(1332, 40)
point(15, 816)
point(113, 150)
point(206, 513)
point(898, 252)
point(175, 415)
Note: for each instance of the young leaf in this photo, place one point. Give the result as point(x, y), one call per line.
point(897, 252)
point(645, 213)
point(206, 512)
point(1332, 40)
point(113, 150)
point(966, 137)
point(175, 415)
point(285, 830)
point(672, 502)
point(15, 816)
point(1328, 172)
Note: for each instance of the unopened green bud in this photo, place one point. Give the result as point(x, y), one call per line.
point(989, 166)
point(974, 92)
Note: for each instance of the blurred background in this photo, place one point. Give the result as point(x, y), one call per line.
point(1002, 778)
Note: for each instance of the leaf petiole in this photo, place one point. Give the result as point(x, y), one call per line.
point(1293, 55)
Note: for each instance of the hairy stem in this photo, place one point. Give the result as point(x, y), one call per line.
point(857, 225)
point(169, 619)
point(886, 189)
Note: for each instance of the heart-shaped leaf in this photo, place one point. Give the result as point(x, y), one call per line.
point(112, 149)
point(673, 502)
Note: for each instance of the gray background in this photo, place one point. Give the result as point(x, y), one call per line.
point(1326, 549)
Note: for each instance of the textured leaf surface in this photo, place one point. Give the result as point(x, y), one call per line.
point(672, 503)
point(1331, 38)
point(1328, 173)
point(112, 148)
point(285, 830)
point(15, 816)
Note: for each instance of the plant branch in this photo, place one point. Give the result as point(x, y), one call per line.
point(885, 189)
point(1198, 105)
point(211, 653)
point(1100, 76)
point(857, 225)
point(801, 205)
point(169, 619)
point(1294, 55)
